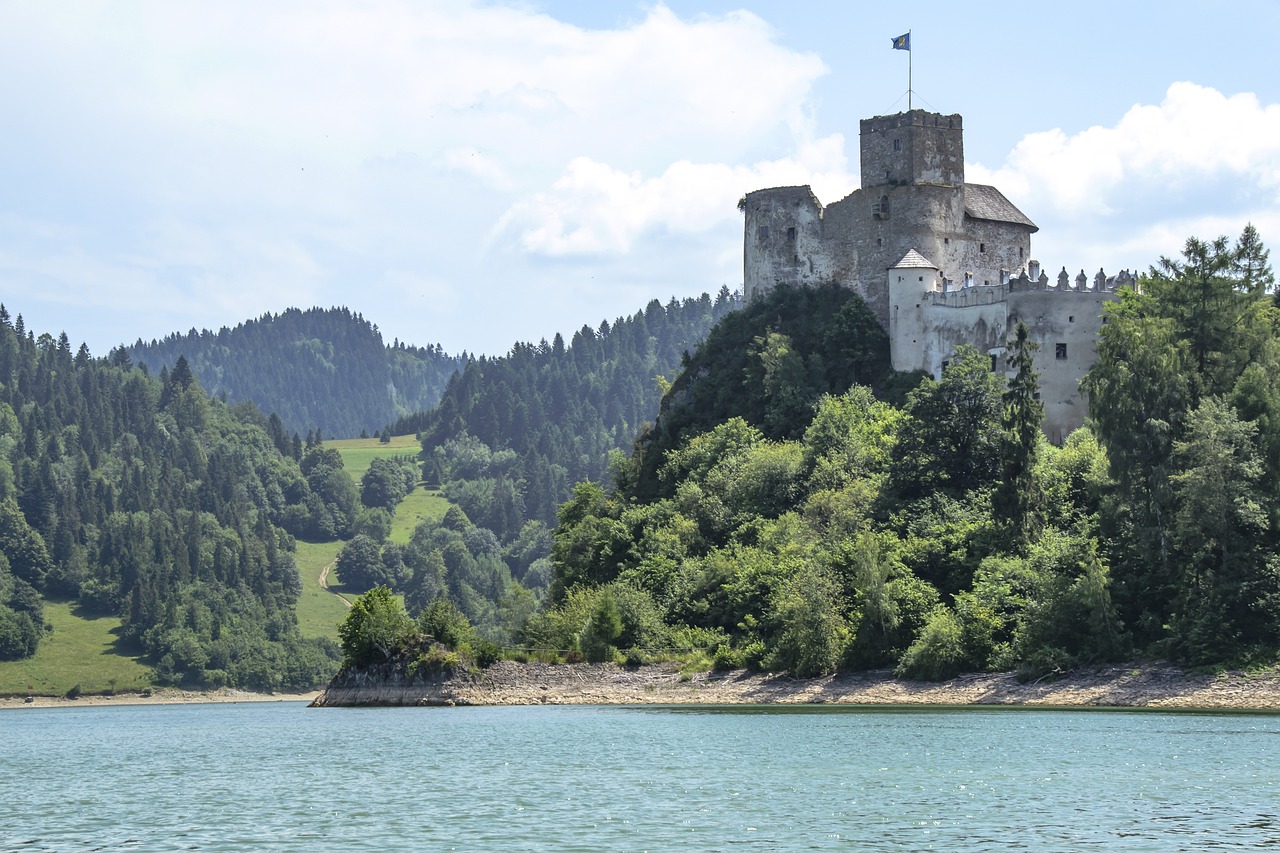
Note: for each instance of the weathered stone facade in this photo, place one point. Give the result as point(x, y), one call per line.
point(940, 262)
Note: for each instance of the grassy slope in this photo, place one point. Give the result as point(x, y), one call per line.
point(81, 651)
point(421, 503)
point(84, 651)
point(320, 612)
point(357, 453)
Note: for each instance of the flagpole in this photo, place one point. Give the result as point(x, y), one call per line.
point(910, 51)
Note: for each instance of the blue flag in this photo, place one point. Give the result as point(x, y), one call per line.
point(902, 42)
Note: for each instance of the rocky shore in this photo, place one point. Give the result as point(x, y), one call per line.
point(159, 696)
point(510, 683)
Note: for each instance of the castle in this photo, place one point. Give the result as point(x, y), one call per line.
point(940, 262)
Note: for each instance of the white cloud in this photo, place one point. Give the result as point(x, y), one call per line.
point(240, 157)
point(473, 172)
point(1199, 163)
point(596, 209)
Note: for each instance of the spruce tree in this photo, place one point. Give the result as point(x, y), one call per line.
point(1017, 502)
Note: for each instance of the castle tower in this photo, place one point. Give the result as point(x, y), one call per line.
point(912, 149)
point(912, 196)
point(910, 280)
point(783, 239)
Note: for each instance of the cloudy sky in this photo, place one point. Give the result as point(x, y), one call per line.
point(476, 173)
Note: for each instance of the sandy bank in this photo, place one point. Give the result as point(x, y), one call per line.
point(509, 683)
point(159, 696)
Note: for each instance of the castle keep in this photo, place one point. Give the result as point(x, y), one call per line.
point(940, 262)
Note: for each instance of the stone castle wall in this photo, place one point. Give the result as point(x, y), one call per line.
point(913, 197)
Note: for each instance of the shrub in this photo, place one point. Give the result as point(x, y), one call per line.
point(938, 653)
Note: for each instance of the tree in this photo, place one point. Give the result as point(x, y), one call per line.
point(376, 629)
point(1216, 297)
point(950, 440)
point(789, 393)
point(1017, 502)
point(359, 563)
point(1252, 266)
point(812, 630)
point(1230, 594)
point(22, 545)
point(386, 482)
point(1138, 391)
point(602, 630)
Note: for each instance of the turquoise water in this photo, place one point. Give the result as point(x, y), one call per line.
point(283, 777)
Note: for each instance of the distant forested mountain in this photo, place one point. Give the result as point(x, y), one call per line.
point(139, 496)
point(512, 434)
point(319, 369)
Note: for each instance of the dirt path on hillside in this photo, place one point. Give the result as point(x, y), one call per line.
point(324, 584)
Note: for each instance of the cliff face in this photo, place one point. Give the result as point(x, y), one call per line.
point(390, 686)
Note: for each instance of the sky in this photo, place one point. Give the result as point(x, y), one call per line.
point(474, 174)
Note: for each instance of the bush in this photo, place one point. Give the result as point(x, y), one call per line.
point(726, 657)
point(1045, 662)
point(938, 653)
point(446, 624)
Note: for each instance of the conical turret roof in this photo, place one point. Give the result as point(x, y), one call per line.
point(914, 260)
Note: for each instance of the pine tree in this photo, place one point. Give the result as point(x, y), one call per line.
point(1017, 501)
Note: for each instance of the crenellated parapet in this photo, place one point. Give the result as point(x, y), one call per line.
point(959, 294)
point(933, 314)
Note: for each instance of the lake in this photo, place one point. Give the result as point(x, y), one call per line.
point(279, 776)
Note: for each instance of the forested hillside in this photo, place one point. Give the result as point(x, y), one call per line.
point(512, 434)
point(788, 523)
point(324, 370)
point(139, 496)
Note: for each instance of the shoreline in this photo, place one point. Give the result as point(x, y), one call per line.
point(157, 696)
point(1133, 685)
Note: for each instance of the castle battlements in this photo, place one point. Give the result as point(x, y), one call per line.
point(965, 293)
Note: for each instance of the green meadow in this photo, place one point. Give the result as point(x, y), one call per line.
point(320, 610)
point(83, 651)
point(357, 453)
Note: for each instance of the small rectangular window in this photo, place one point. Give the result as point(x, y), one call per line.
point(982, 247)
point(1060, 352)
point(993, 364)
point(897, 145)
point(791, 234)
point(763, 233)
point(1035, 396)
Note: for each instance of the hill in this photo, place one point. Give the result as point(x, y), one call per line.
point(319, 369)
point(138, 497)
point(512, 434)
point(782, 522)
